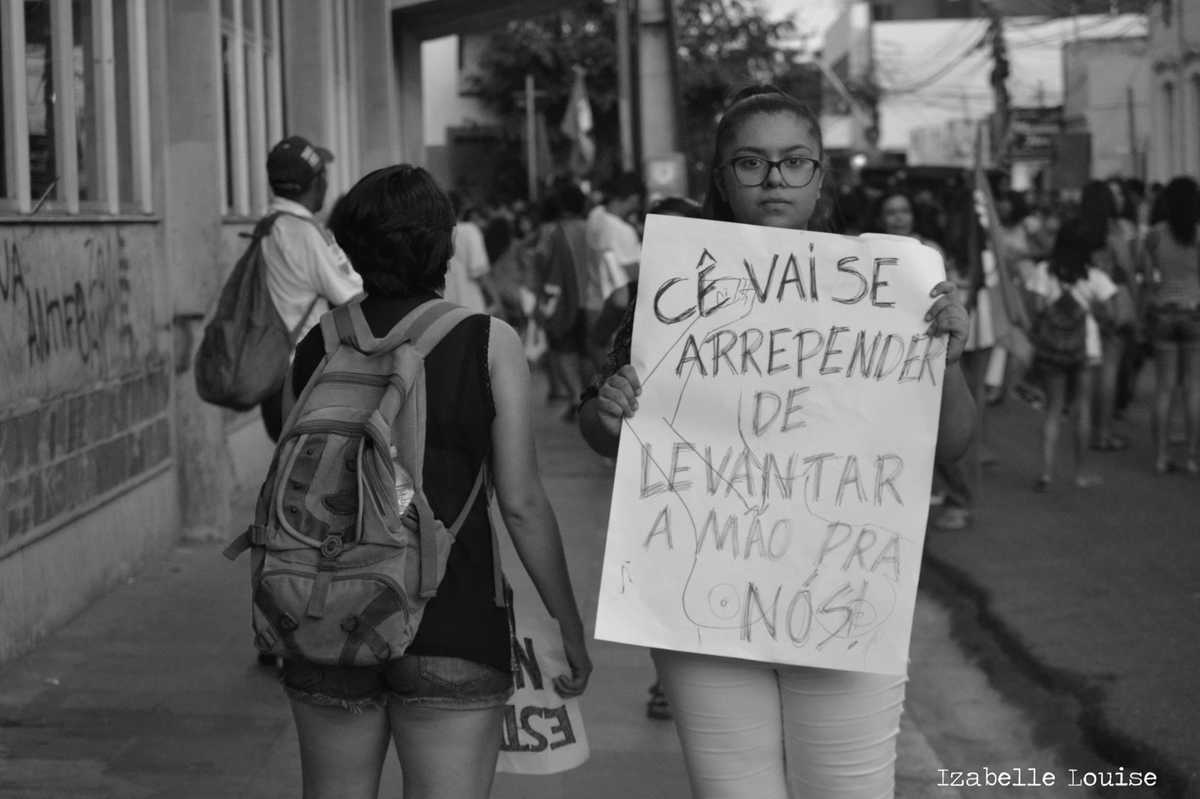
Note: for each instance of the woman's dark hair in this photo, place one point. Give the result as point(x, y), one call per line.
point(1181, 209)
point(550, 210)
point(396, 227)
point(1097, 208)
point(622, 185)
point(677, 206)
point(571, 199)
point(765, 99)
point(1071, 254)
point(497, 236)
point(875, 223)
point(1018, 209)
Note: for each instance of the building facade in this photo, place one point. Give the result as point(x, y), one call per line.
point(133, 142)
point(1106, 94)
point(1174, 54)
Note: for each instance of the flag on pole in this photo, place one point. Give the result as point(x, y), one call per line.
point(1011, 311)
point(577, 125)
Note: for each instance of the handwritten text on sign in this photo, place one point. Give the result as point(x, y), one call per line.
point(772, 490)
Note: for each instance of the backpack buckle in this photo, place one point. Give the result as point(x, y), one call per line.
point(332, 546)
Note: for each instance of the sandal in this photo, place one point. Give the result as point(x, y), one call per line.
point(1163, 464)
point(1088, 481)
point(658, 707)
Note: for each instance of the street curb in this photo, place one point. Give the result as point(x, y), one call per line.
point(970, 604)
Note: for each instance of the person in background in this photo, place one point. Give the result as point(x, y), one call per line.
point(894, 215)
point(1171, 263)
point(658, 706)
point(1109, 240)
point(441, 703)
point(615, 252)
point(468, 280)
point(306, 270)
point(765, 730)
point(560, 302)
point(504, 254)
point(1071, 270)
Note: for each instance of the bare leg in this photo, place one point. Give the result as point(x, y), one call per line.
point(1083, 425)
point(1056, 398)
point(1106, 390)
point(1190, 378)
point(1166, 359)
point(341, 753)
point(446, 753)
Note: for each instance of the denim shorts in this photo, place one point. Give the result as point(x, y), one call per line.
point(1174, 323)
point(448, 683)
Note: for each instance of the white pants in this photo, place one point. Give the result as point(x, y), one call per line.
point(767, 731)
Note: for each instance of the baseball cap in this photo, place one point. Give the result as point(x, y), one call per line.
point(294, 162)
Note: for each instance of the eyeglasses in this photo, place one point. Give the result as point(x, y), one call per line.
point(796, 172)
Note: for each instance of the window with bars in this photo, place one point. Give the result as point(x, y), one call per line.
point(74, 111)
point(252, 101)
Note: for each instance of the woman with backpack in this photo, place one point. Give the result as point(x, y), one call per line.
point(441, 702)
point(1172, 271)
point(1070, 296)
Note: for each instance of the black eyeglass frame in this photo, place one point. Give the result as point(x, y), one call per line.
point(776, 165)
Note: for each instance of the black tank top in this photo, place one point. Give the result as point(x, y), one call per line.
point(463, 620)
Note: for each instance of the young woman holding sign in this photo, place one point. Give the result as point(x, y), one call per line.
point(766, 730)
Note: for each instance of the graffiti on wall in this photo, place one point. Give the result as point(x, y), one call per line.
point(72, 308)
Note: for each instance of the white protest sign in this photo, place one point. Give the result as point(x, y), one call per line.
point(772, 489)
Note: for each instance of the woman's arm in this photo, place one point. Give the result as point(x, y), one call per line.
point(523, 502)
point(948, 317)
point(600, 417)
point(957, 421)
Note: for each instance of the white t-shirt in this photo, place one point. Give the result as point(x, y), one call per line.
point(304, 262)
point(1097, 287)
point(615, 249)
point(469, 263)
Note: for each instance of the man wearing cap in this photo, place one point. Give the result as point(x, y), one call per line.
point(306, 270)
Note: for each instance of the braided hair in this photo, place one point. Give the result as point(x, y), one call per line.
point(396, 227)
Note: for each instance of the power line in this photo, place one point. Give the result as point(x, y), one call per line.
point(941, 72)
point(1062, 37)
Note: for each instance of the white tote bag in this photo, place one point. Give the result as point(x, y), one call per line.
point(543, 733)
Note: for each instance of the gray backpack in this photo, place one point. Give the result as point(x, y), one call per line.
point(243, 357)
point(346, 551)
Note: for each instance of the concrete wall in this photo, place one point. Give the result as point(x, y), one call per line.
point(1174, 52)
point(88, 478)
point(107, 456)
point(1098, 77)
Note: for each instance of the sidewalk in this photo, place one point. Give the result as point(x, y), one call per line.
point(1094, 590)
point(154, 691)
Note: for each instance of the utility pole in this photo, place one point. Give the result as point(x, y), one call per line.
point(999, 81)
point(872, 131)
point(624, 85)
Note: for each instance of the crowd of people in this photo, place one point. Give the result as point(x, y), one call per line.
point(1076, 296)
point(562, 273)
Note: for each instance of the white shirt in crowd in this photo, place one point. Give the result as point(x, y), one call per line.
point(304, 262)
point(615, 250)
point(1098, 287)
point(469, 263)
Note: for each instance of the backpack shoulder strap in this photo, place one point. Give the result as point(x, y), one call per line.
point(433, 326)
point(339, 326)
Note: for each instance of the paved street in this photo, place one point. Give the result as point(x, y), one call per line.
point(153, 692)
